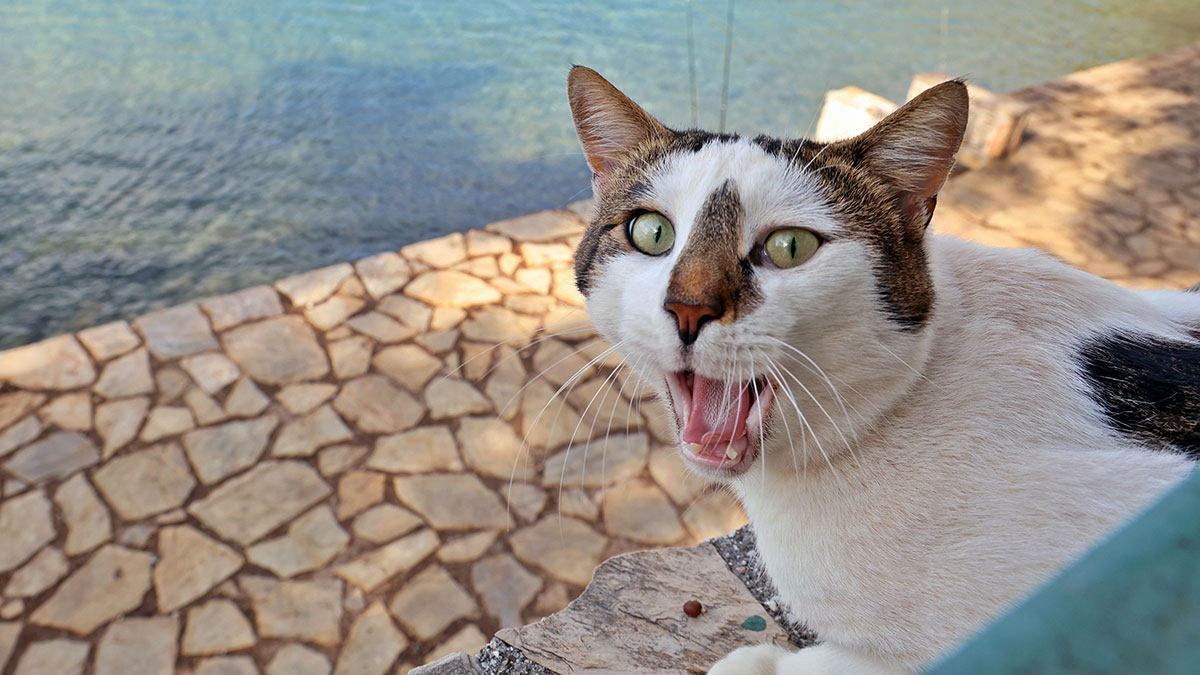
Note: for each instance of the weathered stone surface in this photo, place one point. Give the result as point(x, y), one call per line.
point(552, 599)
point(476, 360)
point(204, 408)
point(333, 312)
point(216, 627)
point(118, 422)
point(468, 640)
point(40, 573)
point(534, 280)
point(312, 540)
point(713, 515)
point(15, 405)
point(380, 327)
point(525, 500)
point(629, 618)
point(601, 405)
point(508, 263)
point(277, 351)
point(545, 255)
point(333, 461)
point(56, 456)
point(449, 398)
point(212, 371)
point(375, 567)
point(57, 363)
point(448, 288)
point(9, 632)
point(540, 226)
point(222, 450)
point(440, 252)
point(374, 405)
point(445, 318)
point(302, 437)
point(505, 587)
point(559, 363)
point(604, 461)
point(304, 610)
point(547, 420)
point(112, 583)
point(227, 665)
point(296, 660)
point(384, 522)
point(415, 315)
point(451, 501)
point(639, 510)
point(358, 490)
point(136, 536)
point(166, 420)
point(59, 656)
point(227, 311)
point(481, 242)
point(146, 482)
point(246, 399)
point(350, 357)
point(172, 382)
point(190, 565)
point(439, 342)
point(529, 303)
point(309, 288)
point(421, 450)
point(145, 646)
point(491, 447)
point(175, 332)
point(383, 273)
point(72, 412)
point(483, 267)
point(87, 520)
point(566, 548)
point(576, 502)
point(19, 434)
point(467, 548)
point(409, 365)
point(565, 288)
point(109, 340)
point(12, 609)
point(302, 398)
point(244, 508)
point(504, 385)
point(372, 645)
point(430, 602)
point(495, 324)
point(667, 469)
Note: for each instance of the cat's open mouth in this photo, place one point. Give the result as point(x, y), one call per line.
point(720, 421)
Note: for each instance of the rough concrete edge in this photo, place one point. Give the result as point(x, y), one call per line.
point(457, 663)
point(500, 658)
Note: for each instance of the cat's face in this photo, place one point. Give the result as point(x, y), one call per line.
point(756, 283)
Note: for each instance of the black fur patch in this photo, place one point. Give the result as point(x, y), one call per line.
point(1148, 387)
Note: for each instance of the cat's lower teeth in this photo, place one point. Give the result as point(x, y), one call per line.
point(730, 453)
point(695, 448)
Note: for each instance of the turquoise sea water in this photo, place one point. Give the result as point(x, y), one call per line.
point(157, 151)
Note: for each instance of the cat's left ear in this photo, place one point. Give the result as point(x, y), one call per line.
point(610, 126)
point(912, 149)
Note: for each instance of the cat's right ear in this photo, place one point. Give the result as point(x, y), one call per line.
point(610, 126)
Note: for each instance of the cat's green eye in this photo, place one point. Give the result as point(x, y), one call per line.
point(790, 246)
point(651, 233)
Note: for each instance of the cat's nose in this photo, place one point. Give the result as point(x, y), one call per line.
point(691, 318)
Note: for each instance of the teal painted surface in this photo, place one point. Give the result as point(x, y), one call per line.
point(1130, 606)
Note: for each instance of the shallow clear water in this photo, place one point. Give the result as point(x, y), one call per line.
point(153, 152)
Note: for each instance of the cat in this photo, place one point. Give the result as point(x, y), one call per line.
point(921, 429)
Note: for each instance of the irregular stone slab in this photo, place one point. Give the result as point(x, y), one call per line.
point(545, 255)
point(504, 385)
point(172, 382)
point(505, 587)
point(277, 351)
point(304, 610)
point(604, 461)
point(118, 422)
point(146, 482)
point(12, 609)
point(421, 450)
point(383, 273)
point(246, 399)
point(17, 404)
point(495, 324)
point(216, 627)
point(445, 318)
point(448, 398)
point(40, 573)
point(409, 365)
point(373, 644)
point(230, 310)
point(72, 412)
point(212, 371)
point(566, 548)
point(374, 405)
point(26, 525)
point(126, 376)
point(713, 515)
point(375, 567)
point(529, 304)
point(415, 315)
point(302, 398)
point(58, 363)
point(680, 484)
point(333, 312)
point(551, 600)
point(293, 659)
point(190, 564)
point(306, 290)
point(439, 342)
point(468, 640)
point(88, 522)
point(430, 602)
point(639, 510)
point(56, 456)
point(534, 280)
point(109, 340)
point(468, 548)
point(220, 451)
point(203, 407)
point(166, 420)
point(227, 665)
point(380, 327)
point(491, 447)
point(59, 656)
point(248, 506)
point(384, 522)
point(451, 501)
point(19, 434)
point(350, 357)
point(110, 584)
point(565, 289)
point(447, 288)
point(136, 536)
point(175, 332)
point(357, 491)
point(9, 632)
point(525, 500)
point(602, 407)
point(480, 242)
point(576, 502)
point(629, 618)
point(439, 252)
point(138, 645)
point(302, 437)
point(540, 226)
point(335, 460)
point(311, 541)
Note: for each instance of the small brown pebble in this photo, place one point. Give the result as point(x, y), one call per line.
point(692, 608)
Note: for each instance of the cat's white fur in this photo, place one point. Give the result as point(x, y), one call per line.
point(954, 469)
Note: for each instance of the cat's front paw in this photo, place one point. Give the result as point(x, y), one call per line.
point(756, 660)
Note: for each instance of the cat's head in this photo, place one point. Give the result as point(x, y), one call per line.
point(777, 292)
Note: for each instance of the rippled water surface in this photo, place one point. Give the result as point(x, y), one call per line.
point(153, 152)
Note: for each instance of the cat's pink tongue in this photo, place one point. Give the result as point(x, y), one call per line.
point(719, 411)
